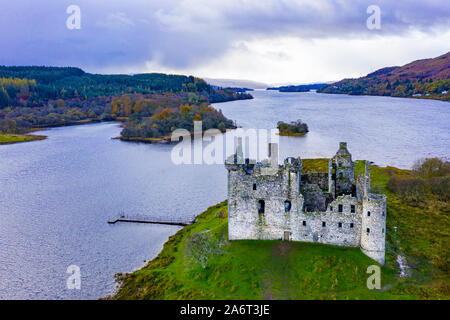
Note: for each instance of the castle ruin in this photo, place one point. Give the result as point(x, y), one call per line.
point(268, 201)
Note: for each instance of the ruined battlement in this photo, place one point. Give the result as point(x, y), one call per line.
point(270, 201)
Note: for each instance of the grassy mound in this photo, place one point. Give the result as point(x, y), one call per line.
point(293, 270)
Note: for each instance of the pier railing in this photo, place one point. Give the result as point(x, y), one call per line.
point(155, 220)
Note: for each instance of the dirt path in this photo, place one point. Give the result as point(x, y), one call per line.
point(277, 281)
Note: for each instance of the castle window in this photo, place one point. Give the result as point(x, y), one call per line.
point(368, 230)
point(254, 186)
point(340, 224)
point(382, 231)
point(304, 223)
point(287, 206)
point(324, 224)
point(261, 206)
point(331, 208)
point(368, 213)
point(351, 225)
point(352, 208)
point(340, 208)
point(340, 175)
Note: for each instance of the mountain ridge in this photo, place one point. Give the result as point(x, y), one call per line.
point(424, 78)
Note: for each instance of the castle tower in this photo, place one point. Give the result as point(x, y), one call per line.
point(342, 172)
point(239, 152)
point(366, 178)
point(294, 168)
point(332, 178)
point(373, 221)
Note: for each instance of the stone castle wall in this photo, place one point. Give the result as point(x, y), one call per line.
point(272, 207)
point(319, 178)
point(373, 226)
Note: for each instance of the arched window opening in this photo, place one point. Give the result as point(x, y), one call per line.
point(261, 206)
point(287, 206)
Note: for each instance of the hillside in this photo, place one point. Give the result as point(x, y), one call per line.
point(151, 104)
point(236, 83)
point(426, 78)
point(293, 270)
point(299, 88)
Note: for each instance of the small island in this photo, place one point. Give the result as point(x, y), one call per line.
point(294, 128)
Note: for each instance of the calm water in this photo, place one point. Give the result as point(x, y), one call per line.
point(56, 195)
point(388, 131)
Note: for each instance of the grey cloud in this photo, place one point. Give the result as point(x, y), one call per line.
point(118, 35)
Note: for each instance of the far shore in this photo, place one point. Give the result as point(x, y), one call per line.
point(296, 134)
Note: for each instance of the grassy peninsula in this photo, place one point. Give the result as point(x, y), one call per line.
point(16, 138)
point(199, 263)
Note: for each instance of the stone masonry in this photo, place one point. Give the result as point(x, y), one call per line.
point(268, 201)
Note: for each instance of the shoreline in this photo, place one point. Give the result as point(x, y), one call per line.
point(292, 134)
point(375, 95)
point(28, 137)
point(165, 139)
point(365, 95)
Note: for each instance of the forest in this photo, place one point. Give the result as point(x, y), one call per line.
point(299, 88)
point(36, 97)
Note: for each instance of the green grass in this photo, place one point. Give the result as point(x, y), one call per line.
point(293, 270)
point(15, 138)
point(315, 165)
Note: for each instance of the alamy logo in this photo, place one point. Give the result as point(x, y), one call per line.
point(374, 280)
point(74, 280)
point(74, 20)
point(212, 147)
point(374, 20)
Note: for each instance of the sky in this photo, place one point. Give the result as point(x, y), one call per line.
point(270, 41)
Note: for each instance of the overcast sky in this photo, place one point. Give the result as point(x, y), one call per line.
point(271, 41)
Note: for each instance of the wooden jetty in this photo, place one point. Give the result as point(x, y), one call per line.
point(153, 220)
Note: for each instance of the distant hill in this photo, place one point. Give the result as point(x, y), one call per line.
point(426, 78)
point(299, 88)
point(234, 83)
